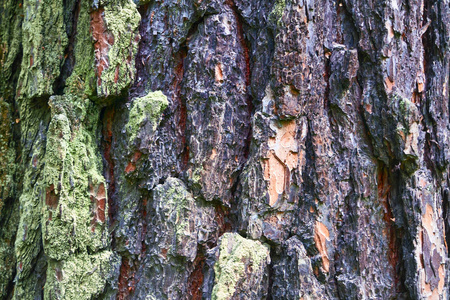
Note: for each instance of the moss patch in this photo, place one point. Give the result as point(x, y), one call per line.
point(7, 153)
point(277, 12)
point(176, 209)
point(34, 122)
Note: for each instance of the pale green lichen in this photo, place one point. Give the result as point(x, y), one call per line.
point(83, 78)
point(407, 129)
point(145, 109)
point(8, 216)
point(63, 206)
point(80, 276)
point(70, 171)
point(123, 22)
point(404, 110)
point(28, 240)
point(74, 170)
point(10, 44)
point(408, 110)
point(235, 254)
point(44, 41)
point(195, 178)
point(277, 12)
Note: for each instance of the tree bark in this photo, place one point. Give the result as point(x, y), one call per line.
point(237, 149)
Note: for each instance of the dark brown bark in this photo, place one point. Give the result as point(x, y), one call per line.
point(241, 149)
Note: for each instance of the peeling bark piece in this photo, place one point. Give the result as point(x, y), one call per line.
point(281, 160)
point(321, 237)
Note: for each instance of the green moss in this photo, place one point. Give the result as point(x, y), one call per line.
point(235, 254)
point(8, 229)
point(44, 41)
point(123, 22)
point(63, 206)
point(407, 108)
point(145, 109)
point(406, 113)
point(80, 277)
point(31, 287)
point(195, 178)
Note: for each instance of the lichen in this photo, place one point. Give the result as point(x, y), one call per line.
point(122, 22)
point(82, 80)
point(408, 110)
point(145, 109)
point(404, 110)
point(7, 236)
point(235, 255)
point(7, 153)
point(277, 12)
point(81, 276)
point(10, 44)
point(176, 208)
point(71, 179)
point(64, 190)
point(44, 41)
point(27, 247)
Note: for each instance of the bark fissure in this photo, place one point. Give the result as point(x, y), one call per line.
point(71, 20)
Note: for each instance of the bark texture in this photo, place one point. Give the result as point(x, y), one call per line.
point(237, 149)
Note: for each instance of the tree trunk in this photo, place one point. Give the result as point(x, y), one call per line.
point(237, 149)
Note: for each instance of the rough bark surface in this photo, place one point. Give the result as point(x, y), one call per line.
point(237, 149)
